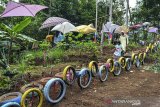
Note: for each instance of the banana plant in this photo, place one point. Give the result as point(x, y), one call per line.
point(12, 34)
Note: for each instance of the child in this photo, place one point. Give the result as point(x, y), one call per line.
point(118, 50)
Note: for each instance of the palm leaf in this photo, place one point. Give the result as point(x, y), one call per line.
point(5, 28)
point(25, 38)
point(19, 27)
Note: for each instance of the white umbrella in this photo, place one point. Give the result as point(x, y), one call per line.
point(65, 27)
point(146, 23)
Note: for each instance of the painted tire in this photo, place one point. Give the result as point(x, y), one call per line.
point(24, 96)
point(67, 75)
point(11, 104)
point(140, 57)
point(103, 77)
point(81, 77)
point(93, 67)
point(144, 57)
point(150, 45)
point(43, 81)
point(47, 89)
point(111, 65)
point(31, 85)
point(147, 49)
point(122, 61)
point(17, 99)
point(133, 58)
point(117, 68)
point(152, 48)
point(137, 62)
point(128, 64)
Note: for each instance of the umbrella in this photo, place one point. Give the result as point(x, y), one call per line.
point(21, 9)
point(52, 21)
point(65, 27)
point(86, 29)
point(107, 26)
point(136, 26)
point(113, 28)
point(146, 23)
point(121, 28)
point(153, 30)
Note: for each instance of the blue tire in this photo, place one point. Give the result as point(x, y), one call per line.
point(117, 68)
point(128, 64)
point(137, 62)
point(47, 88)
point(103, 73)
point(81, 74)
point(16, 99)
point(11, 104)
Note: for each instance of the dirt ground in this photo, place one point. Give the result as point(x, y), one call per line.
point(136, 88)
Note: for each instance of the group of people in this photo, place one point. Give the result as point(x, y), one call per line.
point(54, 39)
point(120, 45)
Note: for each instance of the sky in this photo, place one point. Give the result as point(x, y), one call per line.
point(132, 3)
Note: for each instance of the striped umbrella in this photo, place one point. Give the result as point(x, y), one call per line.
point(52, 21)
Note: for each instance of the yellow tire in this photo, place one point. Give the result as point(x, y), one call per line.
point(111, 64)
point(133, 57)
point(152, 48)
point(147, 49)
point(122, 61)
point(150, 45)
point(141, 59)
point(27, 93)
point(93, 67)
point(144, 56)
point(66, 69)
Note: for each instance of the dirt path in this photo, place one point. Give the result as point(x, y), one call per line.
point(137, 88)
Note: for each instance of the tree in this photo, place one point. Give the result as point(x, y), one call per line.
point(11, 34)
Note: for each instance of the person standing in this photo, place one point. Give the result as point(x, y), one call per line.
point(124, 40)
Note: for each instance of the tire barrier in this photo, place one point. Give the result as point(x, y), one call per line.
point(103, 73)
point(141, 59)
point(93, 67)
point(122, 61)
point(117, 68)
point(133, 58)
point(84, 78)
point(110, 64)
point(43, 81)
point(11, 104)
point(32, 90)
point(69, 75)
point(54, 82)
point(128, 64)
point(31, 85)
point(10, 97)
point(136, 62)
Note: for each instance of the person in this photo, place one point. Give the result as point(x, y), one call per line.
point(109, 37)
point(60, 37)
point(124, 40)
point(118, 50)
